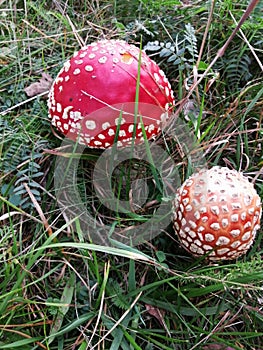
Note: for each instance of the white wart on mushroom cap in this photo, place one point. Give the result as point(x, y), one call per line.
point(94, 95)
point(217, 212)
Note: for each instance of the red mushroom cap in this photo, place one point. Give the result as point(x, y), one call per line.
point(94, 95)
point(217, 212)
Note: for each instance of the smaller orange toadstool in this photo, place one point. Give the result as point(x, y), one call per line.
point(216, 213)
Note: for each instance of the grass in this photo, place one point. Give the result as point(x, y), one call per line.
point(60, 291)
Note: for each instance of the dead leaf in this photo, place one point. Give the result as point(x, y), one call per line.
point(44, 84)
point(6, 55)
point(217, 347)
point(156, 313)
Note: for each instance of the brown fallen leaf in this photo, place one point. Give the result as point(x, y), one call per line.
point(44, 84)
point(217, 347)
point(156, 313)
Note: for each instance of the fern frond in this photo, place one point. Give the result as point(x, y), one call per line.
point(237, 70)
point(117, 294)
point(183, 50)
point(22, 163)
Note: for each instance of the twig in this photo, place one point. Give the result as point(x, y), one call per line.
point(42, 33)
point(23, 102)
point(39, 210)
point(205, 33)
point(75, 32)
point(106, 273)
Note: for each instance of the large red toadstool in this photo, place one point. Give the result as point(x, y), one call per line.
point(94, 95)
point(217, 213)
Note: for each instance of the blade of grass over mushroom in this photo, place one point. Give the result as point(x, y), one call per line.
point(136, 107)
point(136, 110)
point(113, 155)
point(150, 157)
point(137, 94)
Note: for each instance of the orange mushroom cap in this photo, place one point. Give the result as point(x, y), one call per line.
point(216, 213)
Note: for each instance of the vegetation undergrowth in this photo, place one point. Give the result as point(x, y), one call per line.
point(58, 289)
